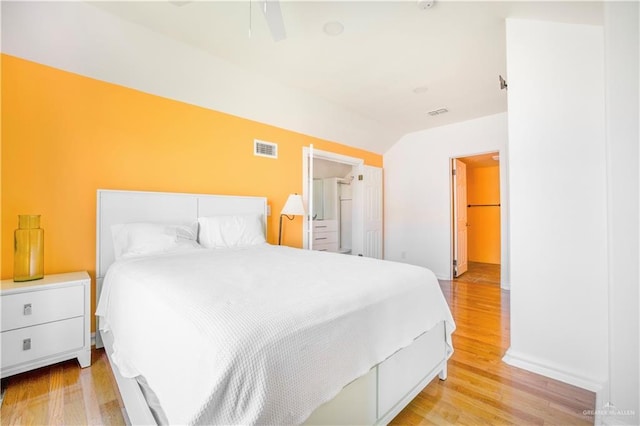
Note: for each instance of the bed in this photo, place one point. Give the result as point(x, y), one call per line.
point(254, 333)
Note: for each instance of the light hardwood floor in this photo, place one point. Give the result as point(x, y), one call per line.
point(480, 389)
point(485, 273)
point(63, 394)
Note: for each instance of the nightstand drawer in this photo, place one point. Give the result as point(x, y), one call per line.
point(30, 343)
point(42, 306)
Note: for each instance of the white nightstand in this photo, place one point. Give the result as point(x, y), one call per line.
point(45, 321)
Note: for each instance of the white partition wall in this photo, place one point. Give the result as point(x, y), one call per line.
point(557, 194)
point(417, 191)
point(622, 72)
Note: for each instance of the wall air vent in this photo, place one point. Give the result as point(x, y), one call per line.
point(265, 149)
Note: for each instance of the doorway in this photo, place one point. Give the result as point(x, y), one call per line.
point(325, 169)
point(476, 221)
point(361, 192)
point(332, 206)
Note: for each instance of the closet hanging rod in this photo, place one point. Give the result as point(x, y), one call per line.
point(483, 205)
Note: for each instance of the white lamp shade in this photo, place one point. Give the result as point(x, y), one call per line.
point(293, 206)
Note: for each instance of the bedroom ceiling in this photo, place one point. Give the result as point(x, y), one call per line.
point(393, 63)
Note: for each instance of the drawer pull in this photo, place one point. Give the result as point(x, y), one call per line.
point(321, 226)
point(321, 238)
point(27, 309)
point(26, 344)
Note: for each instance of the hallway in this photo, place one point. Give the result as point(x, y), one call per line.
point(486, 273)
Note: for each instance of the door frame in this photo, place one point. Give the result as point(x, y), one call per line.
point(504, 215)
point(355, 163)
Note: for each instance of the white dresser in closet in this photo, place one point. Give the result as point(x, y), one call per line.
point(325, 235)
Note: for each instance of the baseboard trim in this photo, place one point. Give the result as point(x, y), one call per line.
point(539, 367)
point(614, 419)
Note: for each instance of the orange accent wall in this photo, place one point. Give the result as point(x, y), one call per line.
point(483, 187)
point(64, 136)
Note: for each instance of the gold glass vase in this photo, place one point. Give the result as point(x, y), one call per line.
point(28, 251)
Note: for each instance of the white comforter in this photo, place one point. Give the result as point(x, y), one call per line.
point(261, 335)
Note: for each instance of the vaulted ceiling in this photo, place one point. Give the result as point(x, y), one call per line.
point(394, 62)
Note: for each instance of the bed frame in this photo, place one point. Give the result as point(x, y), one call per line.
point(375, 398)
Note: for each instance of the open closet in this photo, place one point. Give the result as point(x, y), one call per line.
point(332, 206)
point(344, 204)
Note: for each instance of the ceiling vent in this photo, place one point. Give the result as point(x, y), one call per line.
point(438, 111)
point(265, 149)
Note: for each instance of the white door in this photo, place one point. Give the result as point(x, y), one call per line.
point(367, 238)
point(460, 218)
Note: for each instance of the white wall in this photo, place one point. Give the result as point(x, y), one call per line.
point(78, 37)
point(622, 71)
point(557, 180)
point(418, 191)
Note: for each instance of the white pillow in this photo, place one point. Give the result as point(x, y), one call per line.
point(231, 231)
point(141, 239)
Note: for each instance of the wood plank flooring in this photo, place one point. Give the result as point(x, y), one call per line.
point(63, 394)
point(486, 273)
point(480, 389)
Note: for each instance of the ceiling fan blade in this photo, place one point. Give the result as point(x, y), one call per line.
point(273, 15)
